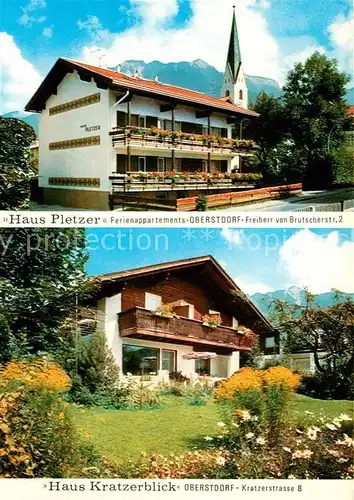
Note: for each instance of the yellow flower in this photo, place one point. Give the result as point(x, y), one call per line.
point(61, 415)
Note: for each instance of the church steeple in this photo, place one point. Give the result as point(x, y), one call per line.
point(234, 84)
point(234, 53)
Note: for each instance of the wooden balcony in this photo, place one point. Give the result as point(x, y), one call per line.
point(145, 324)
point(151, 138)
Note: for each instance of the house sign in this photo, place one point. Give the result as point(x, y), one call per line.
point(93, 128)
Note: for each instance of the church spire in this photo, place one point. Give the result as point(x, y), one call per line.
point(234, 53)
point(234, 83)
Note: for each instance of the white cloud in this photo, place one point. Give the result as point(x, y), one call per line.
point(300, 56)
point(19, 77)
point(204, 36)
point(234, 237)
point(341, 33)
point(47, 32)
point(29, 13)
point(95, 29)
point(318, 262)
point(154, 12)
point(250, 288)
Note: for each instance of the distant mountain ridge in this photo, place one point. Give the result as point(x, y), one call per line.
point(293, 295)
point(196, 75)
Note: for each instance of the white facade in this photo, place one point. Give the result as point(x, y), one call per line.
point(81, 162)
point(98, 119)
point(220, 367)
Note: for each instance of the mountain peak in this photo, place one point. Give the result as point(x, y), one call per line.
point(200, 63)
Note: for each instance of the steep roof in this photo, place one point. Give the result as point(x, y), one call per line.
point(220, 279)
point(105, 78)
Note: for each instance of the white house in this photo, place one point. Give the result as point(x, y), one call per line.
point(157, 319)
point(99, 129)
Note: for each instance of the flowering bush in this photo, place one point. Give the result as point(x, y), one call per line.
point(37, 437)
point(265, 393)
point(36, 373)
point(320, 451)
point(193, 465)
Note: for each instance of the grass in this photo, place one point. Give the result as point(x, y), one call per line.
point(123, 434)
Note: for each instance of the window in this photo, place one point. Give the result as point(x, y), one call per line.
point(160, 164)
point(240, 94)
point(139, 360)
point(152, 302)
point(168, 361)
point(202, 366)
point(235, 323)
point(161, 196)
point(141, 164)
point(269, 342)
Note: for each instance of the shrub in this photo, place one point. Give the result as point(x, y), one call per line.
point(327, 386)
point(37, 436)
point(265, 393)
point(40, 372)
point(193, 465)
point(201, 204)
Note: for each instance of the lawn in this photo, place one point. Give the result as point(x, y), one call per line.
point(123, 434)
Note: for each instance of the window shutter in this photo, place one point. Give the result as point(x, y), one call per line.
point(121, 119)
point(168, 164)
point(121, 164)
point(151, 121)
point(134, 120)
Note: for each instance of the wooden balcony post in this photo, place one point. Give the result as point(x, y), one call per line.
point(209, 162)
point(209, 124)
point(173, 160)
point(173, 118)
point(129, 113)
point(129, 159)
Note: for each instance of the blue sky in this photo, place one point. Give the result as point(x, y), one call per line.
point(273, 35)
point(260, 260)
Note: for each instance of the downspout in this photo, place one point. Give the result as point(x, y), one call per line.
point(121, 99)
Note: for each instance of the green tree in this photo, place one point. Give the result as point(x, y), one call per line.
point(268, 130)
point(343, 165)
point(16, 169)
point(42, 281)
point(327, 332)
point(97, 368)
point(315, 108)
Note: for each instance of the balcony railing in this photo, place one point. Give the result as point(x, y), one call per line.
point(167, 139)
point(142, 323)
point(181, 181)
